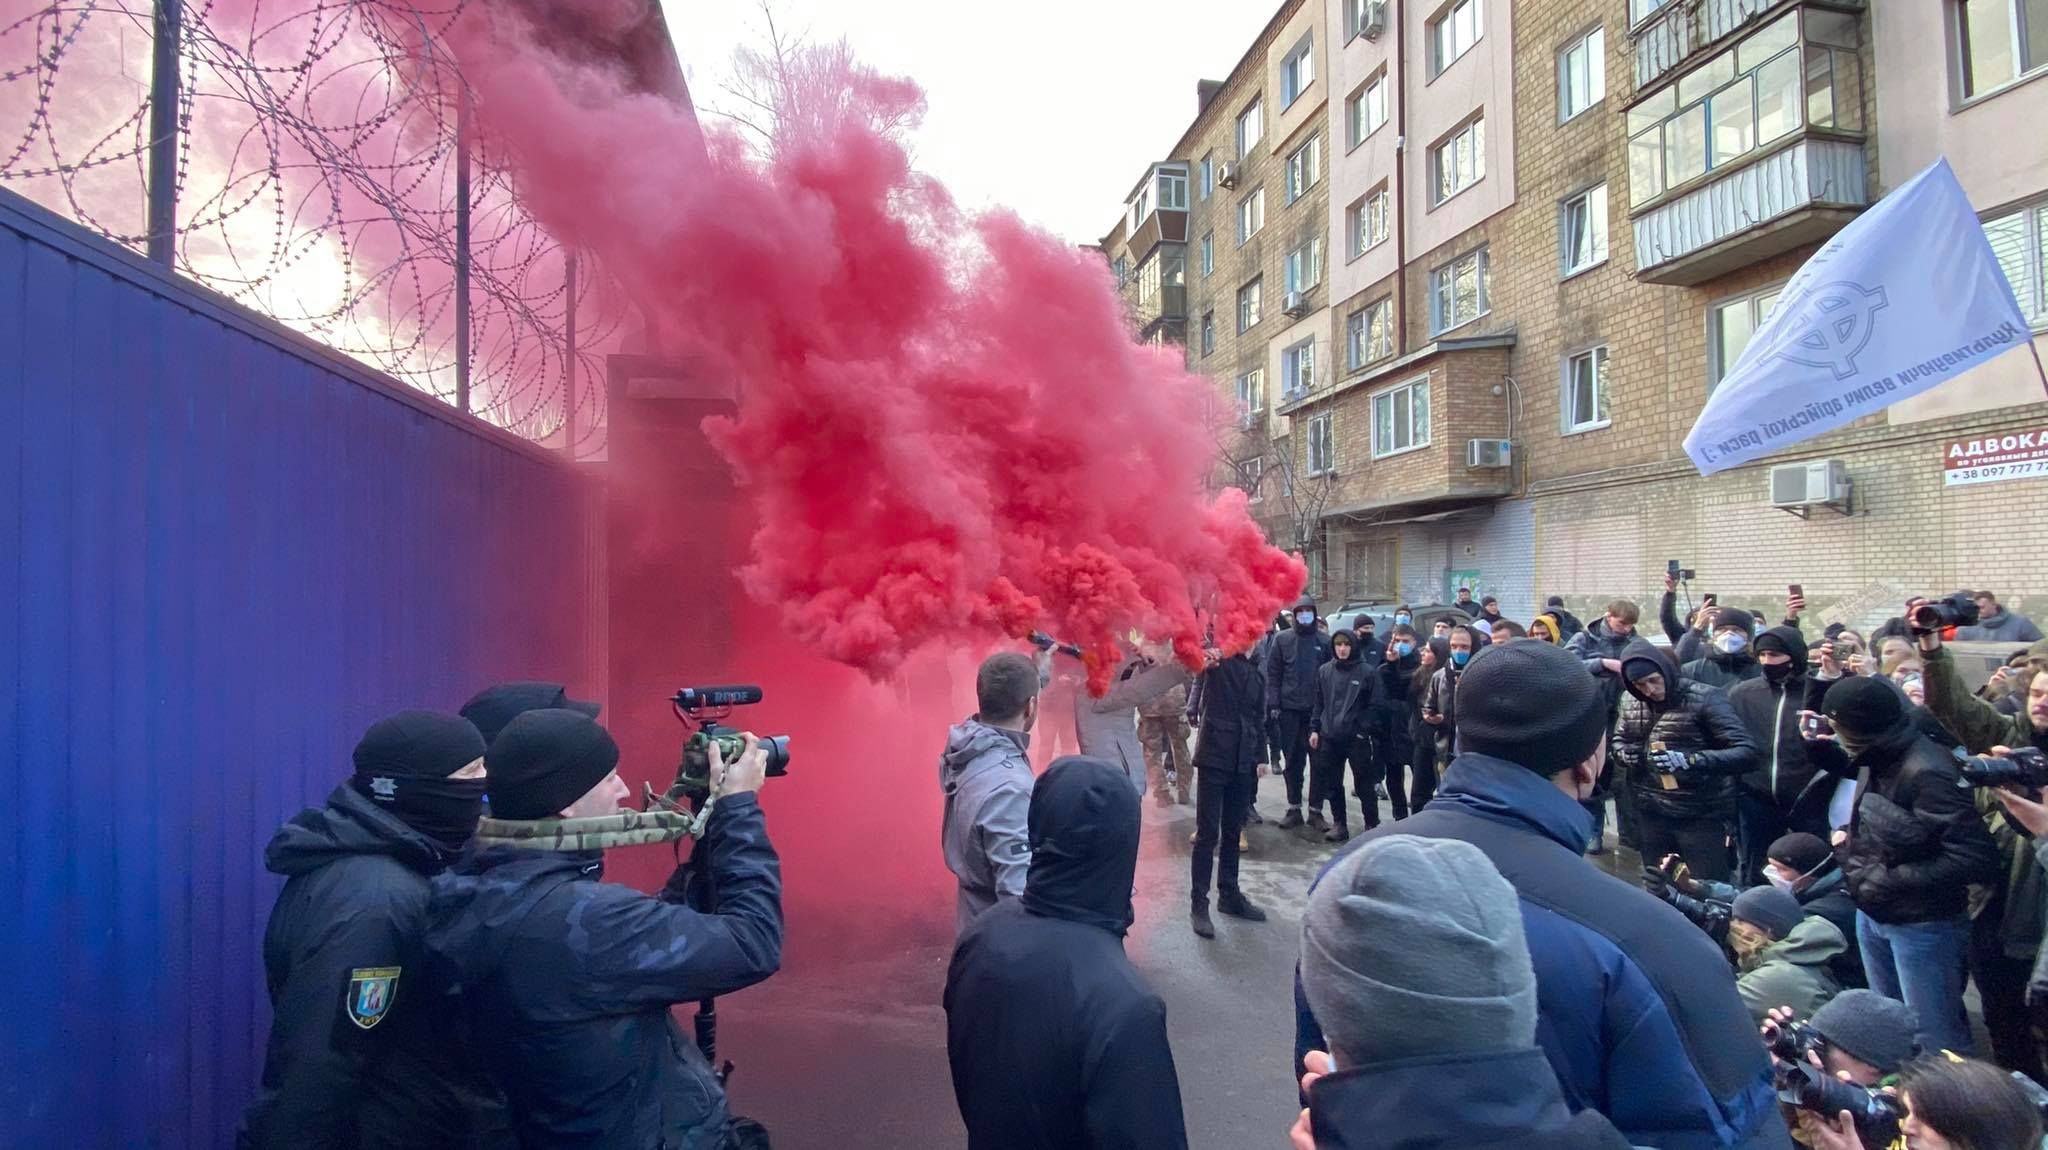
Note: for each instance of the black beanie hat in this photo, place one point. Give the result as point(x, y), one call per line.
point(493, 707)
point(1530, 703)
point(1768, 909)
point(544, 760)
point(1800, 851)
point(1869, 1027)
point(1864, 706)
point(418, 745)
point(1735, 617)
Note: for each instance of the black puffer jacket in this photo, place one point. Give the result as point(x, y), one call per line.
point(1723, 671)
point(361, 1053)
point(1916, 841)
point(1770, 713)
point(1693, 719)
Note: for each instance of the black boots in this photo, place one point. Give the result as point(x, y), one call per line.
point(1198, 918)
point(1291, 819)
point(1233, 903)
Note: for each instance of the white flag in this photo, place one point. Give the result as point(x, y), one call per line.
point(1906, 296)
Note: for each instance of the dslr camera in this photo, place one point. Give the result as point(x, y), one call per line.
point(701, 708)
point(1800, 1083)
point(2024, 768)
point(1957, 610)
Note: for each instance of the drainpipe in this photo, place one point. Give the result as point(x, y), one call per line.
point(1400, 30)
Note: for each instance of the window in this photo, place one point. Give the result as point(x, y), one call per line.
point(1304, 266)
point(1304, 168)
point(1208, 254)
point(1122, 267)
point(2020, 241)
point(1581, 74)
point(1298, 71)
point(1584, 404)
point(1400, 418)
point(1208, 184)
point(1367, 223)
point(1251, 214)
point(1322, 444)
point(1297, 369)
point(1208, 333)
point(1371, 571)
point(1745, 98)
point(1367, 109)
point(1248, 305)
point(1251, 124)
point(1582, 232)
point(1358, 16)
point(1369, 332)
point(1457, 292)
point(1453, 34)
point(1252, 473)
point(1639, 10)
point(2001, 40)
point(1251, 396)
point(1730, 327)
point(1173, 191)
point(1458, 162)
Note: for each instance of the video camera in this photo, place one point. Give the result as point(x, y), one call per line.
point(702, 707)
point(2022, 768)
point(1957, 610)
point(1800, 1083)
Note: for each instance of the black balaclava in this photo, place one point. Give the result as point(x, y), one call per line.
point(404, 764)
point(1083, 827)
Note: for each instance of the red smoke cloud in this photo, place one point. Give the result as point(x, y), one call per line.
point(945, 429)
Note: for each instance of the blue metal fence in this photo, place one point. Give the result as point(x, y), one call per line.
point(224, 551)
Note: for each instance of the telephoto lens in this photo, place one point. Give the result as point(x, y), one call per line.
point(2024, 768)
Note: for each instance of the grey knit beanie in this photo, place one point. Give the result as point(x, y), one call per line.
point(1867, 1026)
point(1769, 909)
point(1413, 946)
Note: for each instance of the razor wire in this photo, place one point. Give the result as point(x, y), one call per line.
point(317, 149)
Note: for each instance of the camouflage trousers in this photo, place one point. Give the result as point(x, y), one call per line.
point(1166, 754)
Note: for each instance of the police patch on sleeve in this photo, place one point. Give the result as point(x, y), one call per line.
point(370, 991)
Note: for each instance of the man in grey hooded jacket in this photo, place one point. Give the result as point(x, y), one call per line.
point(987, 781)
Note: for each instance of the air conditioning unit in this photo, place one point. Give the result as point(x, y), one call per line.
point(1295, 304)
point(1375, 19)
point(1489, 452)
point(1820, 483)
point(1226, 174)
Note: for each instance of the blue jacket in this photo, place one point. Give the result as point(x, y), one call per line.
point(1637, 1009)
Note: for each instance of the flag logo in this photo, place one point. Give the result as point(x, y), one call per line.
point(1831, 328)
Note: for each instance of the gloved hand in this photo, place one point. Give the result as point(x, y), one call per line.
point(1656, 882)
point(1669, 762)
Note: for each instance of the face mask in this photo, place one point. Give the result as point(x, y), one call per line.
point(445, 810)
point(1731, 642)
point(1778, 880)
point(1403, 620)
point(1404, 649)
point(1460, 658)
point(1777, 673)
point(1305, 618)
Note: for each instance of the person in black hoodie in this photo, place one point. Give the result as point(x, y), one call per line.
point(1338, 734)
point(1684, 747)
point(360, 1053)
point(1729, 658)
point(1292, 662)
point(1226, 705)
point(568, 982)
point(1781, 794)
point(1414, 960)
point(1391, 709)
point(1054, 1039)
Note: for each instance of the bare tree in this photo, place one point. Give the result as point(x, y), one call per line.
point(788, 89)
point(1288, 500)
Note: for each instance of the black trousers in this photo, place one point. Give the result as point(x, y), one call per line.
point(1326, 778)
point(2019, 1033)
point(1294, 752)
point(1701, 840)
point(1392, 752)
point(1428, 767)
point(1221, 799)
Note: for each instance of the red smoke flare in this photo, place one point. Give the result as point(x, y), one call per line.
point(945, 428)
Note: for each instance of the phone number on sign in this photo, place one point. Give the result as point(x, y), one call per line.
point(1993, 472)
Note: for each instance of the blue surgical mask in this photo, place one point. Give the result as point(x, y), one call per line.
point(1305, 618)
point(1404, 649)
point(1403, 620)
point(1731, 642)
point(1460, 658)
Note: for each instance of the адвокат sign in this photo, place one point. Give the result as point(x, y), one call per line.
point(1989, 460)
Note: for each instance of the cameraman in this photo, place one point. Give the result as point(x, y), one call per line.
point(1913, 845)
point(2005, 939)
point(567, 982)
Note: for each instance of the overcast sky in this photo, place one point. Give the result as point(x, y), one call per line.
point(1053, 108)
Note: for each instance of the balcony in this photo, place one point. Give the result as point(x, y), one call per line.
point(1800, 194)
point(1166, 306)
point(1681, 28)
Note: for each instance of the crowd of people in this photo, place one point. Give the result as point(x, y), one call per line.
point(1825, 872)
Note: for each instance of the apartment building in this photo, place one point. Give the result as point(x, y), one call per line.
point(1552, 226)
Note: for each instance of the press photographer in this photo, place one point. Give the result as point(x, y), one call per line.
point(1783, 955)
point(1839, 1062)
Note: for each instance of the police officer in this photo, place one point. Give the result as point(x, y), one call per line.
point(359, 1055)
point(567, 981)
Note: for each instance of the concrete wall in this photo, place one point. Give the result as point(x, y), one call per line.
point(1481, 80)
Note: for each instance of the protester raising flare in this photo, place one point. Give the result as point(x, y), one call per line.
point(1230, 696)
point(1054, 1039)
point(1414, 961)
point(1913, 846)
point(1683, 747)
point(1636, 1008)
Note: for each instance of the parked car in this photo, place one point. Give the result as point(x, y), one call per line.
point(1382, 614)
